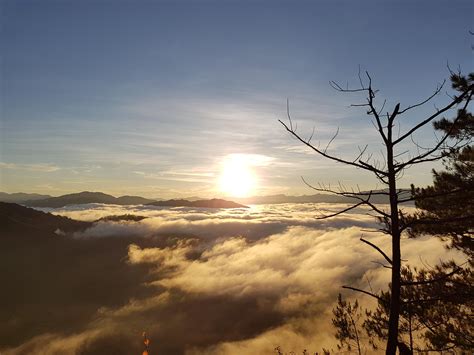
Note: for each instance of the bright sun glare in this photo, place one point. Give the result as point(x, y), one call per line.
point(237, 178)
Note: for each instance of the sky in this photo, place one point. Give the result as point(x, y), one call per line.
point(155, 98)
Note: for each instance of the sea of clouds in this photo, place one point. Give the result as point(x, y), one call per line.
point(234, 281)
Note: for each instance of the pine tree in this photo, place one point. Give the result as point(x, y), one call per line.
point(447, 206)
point(446, 210)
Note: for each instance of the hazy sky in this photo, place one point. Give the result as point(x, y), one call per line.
point(151, 97)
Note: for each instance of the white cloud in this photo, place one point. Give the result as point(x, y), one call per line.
point(278, 256)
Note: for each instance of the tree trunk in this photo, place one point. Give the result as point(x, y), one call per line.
point(395, 232)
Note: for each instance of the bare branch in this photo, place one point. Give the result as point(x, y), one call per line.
point(337, 87)
point(453, 103)
point(381, 264)
point(317, 150)
point(334, 137)
point(312, 134)
point(418, 160)
point(423, 157)
point(342, 211)
point(365, 292)
point(378, 249)
point(393, 115)
point(420, 146)
point(373, 111)
point(345, 193)
point(354, 195)
point(383, 106)
point(437, 91)
point(288, 113)
point(400, 154)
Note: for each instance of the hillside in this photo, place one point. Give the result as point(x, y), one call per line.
point(20, 197)
point(55, 281)
point(15, 218)
point(87, 197)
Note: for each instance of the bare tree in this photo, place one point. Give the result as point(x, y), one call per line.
point(388, 171)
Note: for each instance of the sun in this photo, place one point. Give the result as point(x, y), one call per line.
point(237, 178)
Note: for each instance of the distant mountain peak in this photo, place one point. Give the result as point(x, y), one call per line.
point(87, 197)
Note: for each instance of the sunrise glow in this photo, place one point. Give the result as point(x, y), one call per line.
point(237, 178)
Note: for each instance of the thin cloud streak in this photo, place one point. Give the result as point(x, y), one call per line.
point(43, 168)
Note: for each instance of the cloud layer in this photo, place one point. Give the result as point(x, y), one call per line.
point(217, 281)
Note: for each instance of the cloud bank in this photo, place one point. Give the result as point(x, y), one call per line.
point(203, 281)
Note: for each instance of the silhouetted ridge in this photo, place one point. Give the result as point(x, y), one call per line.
point(20, 197)
point(16, 218)
point(213, 203)
point(87, 197)
point(132, 200)
point(35, 200)
point(120, 218)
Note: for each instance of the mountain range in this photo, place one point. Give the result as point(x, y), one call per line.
point(99, 197)
point(37, 200)
point(86, 197)
point(20, 197)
